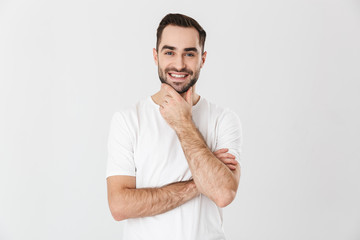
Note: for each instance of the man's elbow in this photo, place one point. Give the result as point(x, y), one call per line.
point(118, 216)
point(118, 211)
point(225, 198)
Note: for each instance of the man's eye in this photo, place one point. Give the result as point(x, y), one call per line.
point(189, 54)
point(168, 53)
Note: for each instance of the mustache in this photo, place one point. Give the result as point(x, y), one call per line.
point(181, 70)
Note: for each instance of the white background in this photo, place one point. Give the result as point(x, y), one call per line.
point(290, 69)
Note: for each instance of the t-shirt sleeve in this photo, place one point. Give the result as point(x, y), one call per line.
point(120, 159)
point(229, 134)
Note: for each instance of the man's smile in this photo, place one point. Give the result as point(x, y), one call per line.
point(178, 77)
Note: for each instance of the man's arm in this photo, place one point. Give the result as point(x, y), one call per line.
point(125, 201)
point(210, 175)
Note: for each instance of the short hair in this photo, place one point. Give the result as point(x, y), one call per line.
point(180, 20)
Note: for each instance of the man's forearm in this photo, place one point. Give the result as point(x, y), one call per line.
point(212, 177)
point(142, 202)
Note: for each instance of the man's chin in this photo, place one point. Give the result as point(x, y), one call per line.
point(183, 89)
point(180, 88)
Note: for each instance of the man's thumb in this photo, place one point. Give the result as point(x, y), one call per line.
point(189, 96)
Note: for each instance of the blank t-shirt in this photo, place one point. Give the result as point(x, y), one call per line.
point(142, 144)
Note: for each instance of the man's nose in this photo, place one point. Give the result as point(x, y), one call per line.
point(179, 63)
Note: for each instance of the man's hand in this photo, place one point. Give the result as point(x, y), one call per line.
point(227, 158)
point(174, 108)
point(215, 179)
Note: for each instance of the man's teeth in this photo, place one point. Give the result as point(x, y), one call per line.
point(176, 75)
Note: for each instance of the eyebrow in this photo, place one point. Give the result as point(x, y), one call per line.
point(193, 49)
point(168, 47)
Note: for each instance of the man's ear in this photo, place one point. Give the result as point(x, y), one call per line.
point(155, 56)
point(203, 57)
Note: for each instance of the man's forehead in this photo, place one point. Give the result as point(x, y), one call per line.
point(180, 37)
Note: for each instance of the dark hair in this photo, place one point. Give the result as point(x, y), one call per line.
point(181, 21)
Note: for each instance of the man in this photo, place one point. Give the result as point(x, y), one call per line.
point(173, 157)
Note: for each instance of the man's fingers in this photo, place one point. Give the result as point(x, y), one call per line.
point(164, 86)
point(222, 150)
point(170, 91)
point(225, 155)
point(229, 161)
point(227, 158)
point(231, 167)
point(167, 98)
point(188, 96)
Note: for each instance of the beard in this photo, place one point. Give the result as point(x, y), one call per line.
point(194, 77)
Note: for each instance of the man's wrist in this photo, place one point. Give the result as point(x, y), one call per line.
point(184, 126)
point(192, 188)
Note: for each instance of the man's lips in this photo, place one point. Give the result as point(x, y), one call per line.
point(178, 76)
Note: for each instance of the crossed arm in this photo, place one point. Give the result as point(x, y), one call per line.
point(125, 201)
point(211, 176)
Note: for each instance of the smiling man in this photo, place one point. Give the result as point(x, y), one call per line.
point(173, 158)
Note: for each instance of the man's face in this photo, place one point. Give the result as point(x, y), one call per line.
point(179, 57)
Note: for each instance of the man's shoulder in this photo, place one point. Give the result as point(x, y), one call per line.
point(129, 114)
point(134, 108)
point(217, 109)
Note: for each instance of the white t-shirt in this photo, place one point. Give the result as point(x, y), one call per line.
point(142, 144)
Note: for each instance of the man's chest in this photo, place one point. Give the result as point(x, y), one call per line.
point(158, 155)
